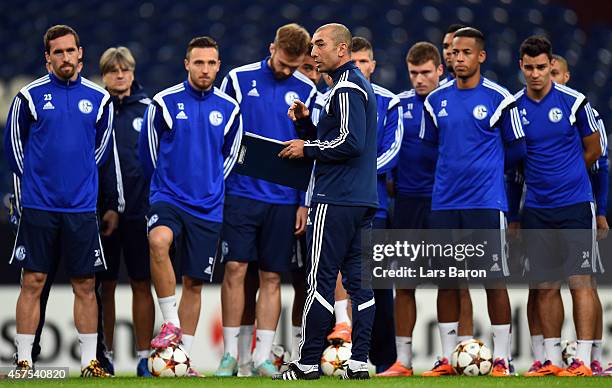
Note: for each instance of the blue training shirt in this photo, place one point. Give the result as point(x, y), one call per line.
point(57, 133)
point(389, 130)
point(189, 142)
point(417, 158)
point(319, 106)
point(555, 172)
point(318, 109)
point(264, 101)
point(471, 128)
point(599, 171)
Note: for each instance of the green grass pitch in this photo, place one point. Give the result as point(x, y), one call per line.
point(257, 382)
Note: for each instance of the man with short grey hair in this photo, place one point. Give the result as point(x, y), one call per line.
point(129, 236)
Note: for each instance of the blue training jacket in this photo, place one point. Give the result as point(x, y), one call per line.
point(189, 142)
point(57, 133)
point(264, 101)
point(390, 130)
point(416, 166)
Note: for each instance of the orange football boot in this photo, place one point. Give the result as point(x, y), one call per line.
point(547, 369)
point(534, 367)
point(576, 369)
point(500, 368)
point(396, 370)
point(441, 368)
point(342, 333)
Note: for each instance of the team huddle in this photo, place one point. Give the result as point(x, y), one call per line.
point(101, 173)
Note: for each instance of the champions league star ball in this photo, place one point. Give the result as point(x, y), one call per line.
point(172, 361)
point(335, 359)
point(568, 352)
point(472, 358)
point(279, 357)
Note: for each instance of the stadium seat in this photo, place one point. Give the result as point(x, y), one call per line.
point(157, 32)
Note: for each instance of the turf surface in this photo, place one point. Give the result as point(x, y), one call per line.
point(471, 382)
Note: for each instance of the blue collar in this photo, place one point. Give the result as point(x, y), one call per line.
point(467, 90)
point(201, 94)
point(63, 83)
point(266, 67)
point(550, 92)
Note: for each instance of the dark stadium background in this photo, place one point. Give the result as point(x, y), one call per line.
point(157, 32)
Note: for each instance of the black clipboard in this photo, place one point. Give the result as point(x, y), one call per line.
point(258, 158)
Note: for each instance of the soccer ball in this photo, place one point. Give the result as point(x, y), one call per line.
point(335, 359)
point(568, 352)
point(472, 358)
point(172, 361)
point(279, 356)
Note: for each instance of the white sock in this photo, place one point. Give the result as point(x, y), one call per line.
point(230, 341)
point(263, 346)
point(597, 352)
point(143, 353)
point(510, 344)
point(340, 311)
point(500, 341)
point(24, 343)
point(462, 338)
point(357, 365)
point(296, 337)
point(187, 342)
point(403, 345)
point(537, 347)
point(89, 344)
point(169, 309)
point(552, 350)
point(448, 337)
point(245, 344)
point(583, 353)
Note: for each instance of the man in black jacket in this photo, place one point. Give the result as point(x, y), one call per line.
point(129, 238)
